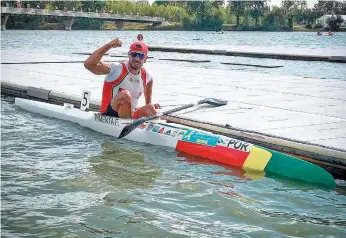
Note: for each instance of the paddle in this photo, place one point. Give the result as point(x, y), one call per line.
point(134, 124)
point(171, 105)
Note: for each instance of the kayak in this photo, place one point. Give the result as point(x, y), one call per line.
point(189, 140)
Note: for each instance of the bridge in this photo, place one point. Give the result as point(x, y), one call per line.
point(70, 16)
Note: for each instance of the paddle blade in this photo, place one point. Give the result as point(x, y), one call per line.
point(131, 126)
point(215, 102)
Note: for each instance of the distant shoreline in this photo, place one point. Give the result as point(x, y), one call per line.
point(169, 27)
point(149, 29)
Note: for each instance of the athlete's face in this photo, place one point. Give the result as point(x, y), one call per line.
point(137, 59)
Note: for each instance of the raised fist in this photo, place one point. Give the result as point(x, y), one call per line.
point(115, 43)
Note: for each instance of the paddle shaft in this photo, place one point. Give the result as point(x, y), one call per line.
point(133, 125)
point(175, 110)
point(171, 105)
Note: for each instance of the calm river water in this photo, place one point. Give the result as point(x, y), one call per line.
point(62, 180)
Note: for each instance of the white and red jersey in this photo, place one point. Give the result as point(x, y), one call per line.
point(120, 78)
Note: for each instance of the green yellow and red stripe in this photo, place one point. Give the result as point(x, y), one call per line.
point(236, 153)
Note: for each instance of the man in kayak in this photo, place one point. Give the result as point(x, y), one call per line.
point(124, 82)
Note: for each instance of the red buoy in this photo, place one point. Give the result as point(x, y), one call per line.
point(140, 37)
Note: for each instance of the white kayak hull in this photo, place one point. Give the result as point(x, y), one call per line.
point(93, 120)
point(217, 148)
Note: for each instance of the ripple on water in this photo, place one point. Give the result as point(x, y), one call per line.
point(62, 180)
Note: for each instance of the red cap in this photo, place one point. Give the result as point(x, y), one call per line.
point(139, 46)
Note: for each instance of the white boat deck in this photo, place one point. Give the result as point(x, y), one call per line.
point(304, 109)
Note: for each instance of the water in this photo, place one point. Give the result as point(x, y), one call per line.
point(54, 40)
point(66, 43)
point(59, 179)
point(62, 180)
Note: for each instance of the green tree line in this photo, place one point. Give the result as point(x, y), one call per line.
point(197, 15)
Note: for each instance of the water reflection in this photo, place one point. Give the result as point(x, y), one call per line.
point(123, 167)
point(224, 169)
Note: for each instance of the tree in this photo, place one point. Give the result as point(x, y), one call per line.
point(238, 8)
point(70, 5)
point(330, 7)
point(175, 3)
point(257, 9)
point(274, 20)
point(161, 2)
point(215, 17)
point(143, 2)
point(334, 22)
point(35, 4)
point(93, 5)
point(122, 7)
point(198, 10)
point(343, 8)
point(288, 6)
point(306, 16)
point(203, 14)
point(194, 7)
point(291, 9)
point(217, 4)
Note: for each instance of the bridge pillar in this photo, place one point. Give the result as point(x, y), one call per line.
point(68, 23)
point(119, 25)
point(4, 19)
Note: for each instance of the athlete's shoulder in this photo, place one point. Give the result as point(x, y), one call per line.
point(147, 71)
point(147, 74)
point(115, 72)
point(116, 65)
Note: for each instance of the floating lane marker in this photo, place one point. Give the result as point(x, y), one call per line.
point(186, 60)
point(126, 56)
point(81, 53)
point(254, 65)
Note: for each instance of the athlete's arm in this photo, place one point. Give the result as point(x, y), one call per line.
point(148, 92)
point(94, 63)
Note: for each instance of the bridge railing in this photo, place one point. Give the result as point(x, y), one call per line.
point(100, 15)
